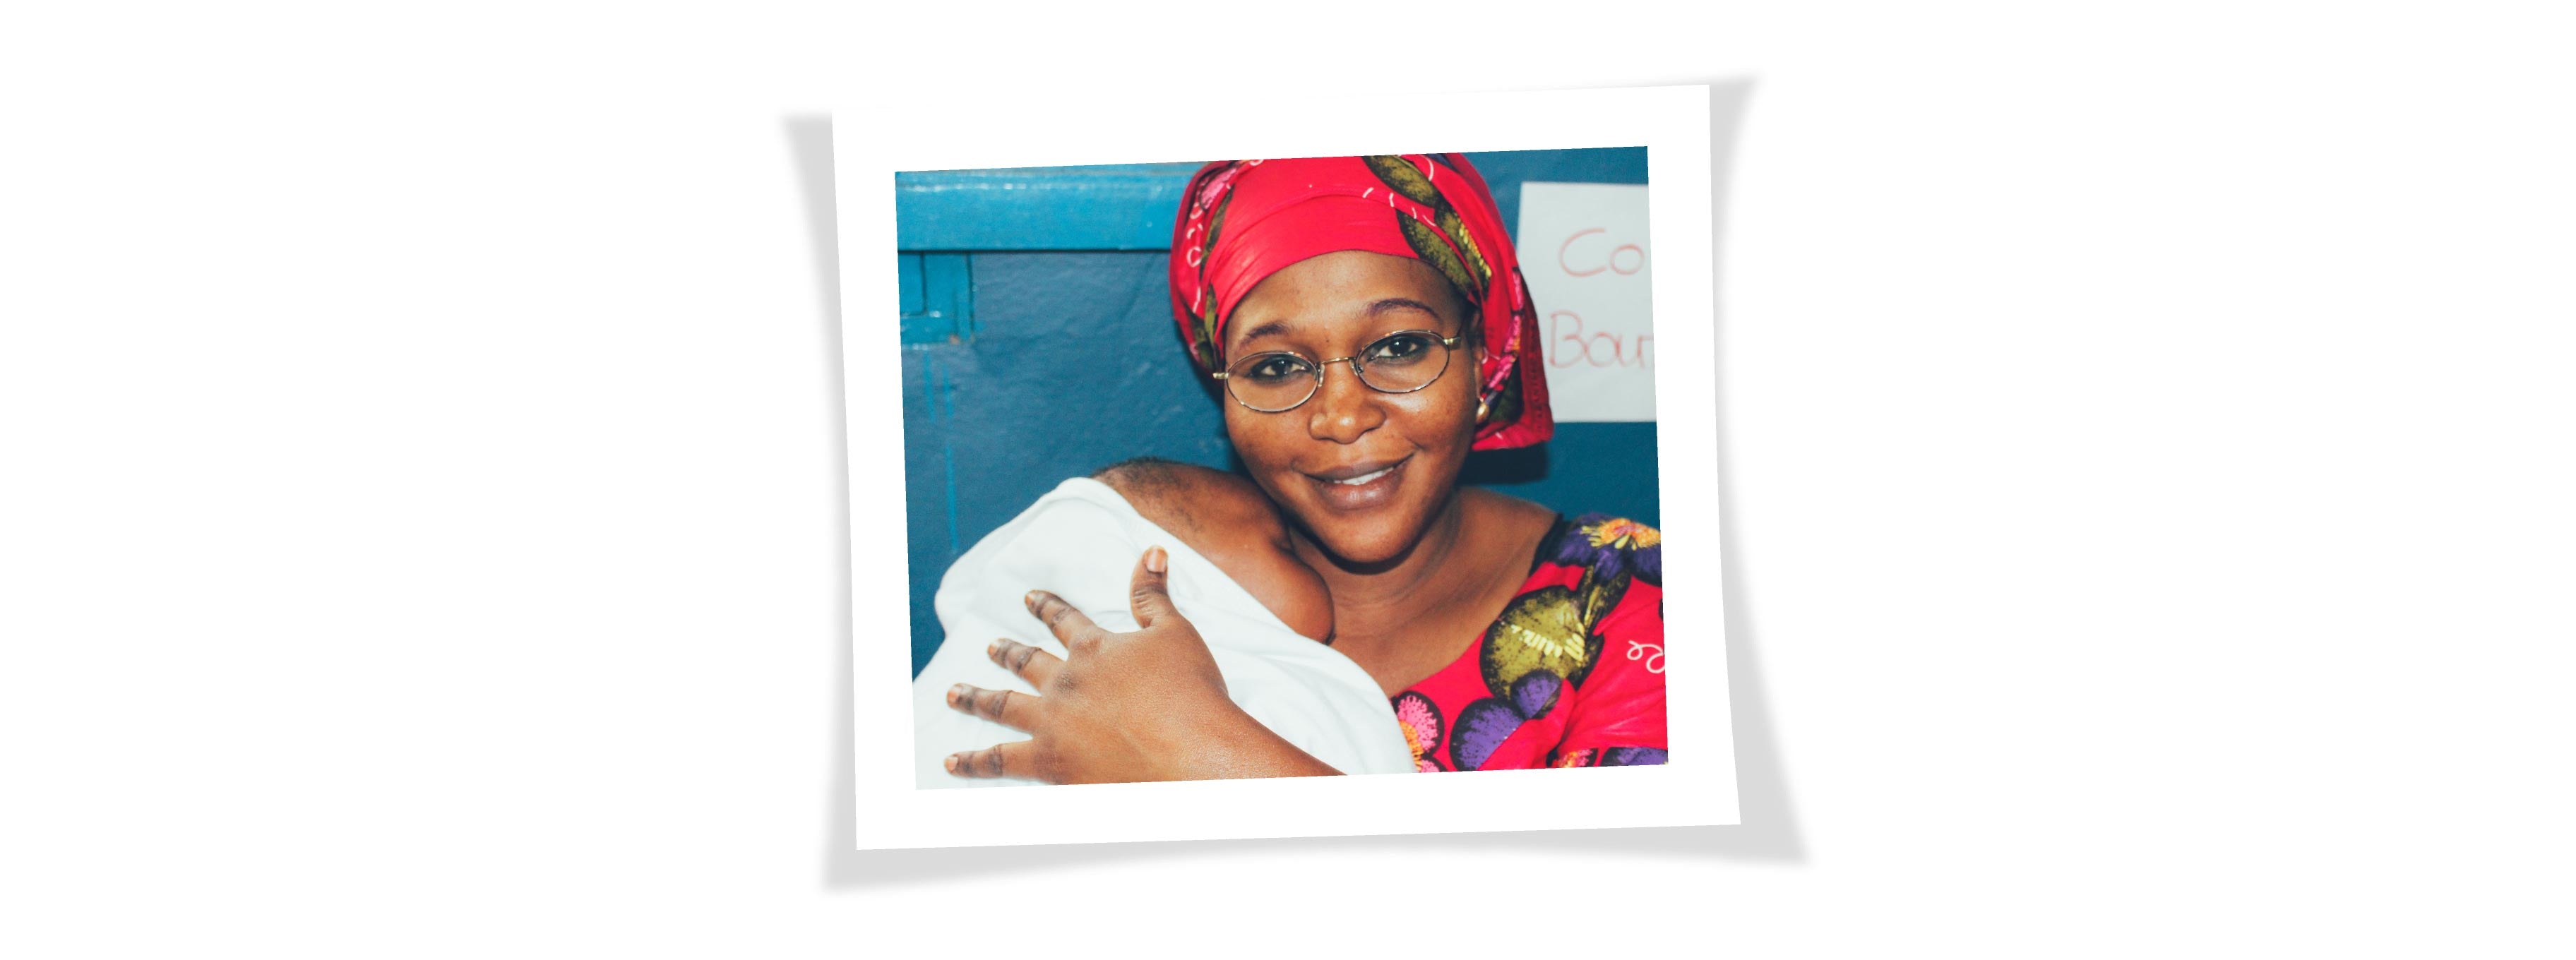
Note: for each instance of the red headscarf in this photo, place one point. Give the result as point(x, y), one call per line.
point(1243, 220)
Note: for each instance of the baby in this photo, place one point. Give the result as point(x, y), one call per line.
point(1266, 617)
point(1228, 520)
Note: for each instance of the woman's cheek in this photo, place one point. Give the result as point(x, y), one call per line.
point(1256, 441)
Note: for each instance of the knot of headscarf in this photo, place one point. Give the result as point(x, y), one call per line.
point(1243, 220)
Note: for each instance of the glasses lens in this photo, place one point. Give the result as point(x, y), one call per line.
point(1271, 381)
point(1404, 362)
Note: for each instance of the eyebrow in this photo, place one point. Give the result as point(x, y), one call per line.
point(1273, 327)
point(1401, 303)
point(1267, 328)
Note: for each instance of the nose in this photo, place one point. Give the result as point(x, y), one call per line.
point(1344, 409)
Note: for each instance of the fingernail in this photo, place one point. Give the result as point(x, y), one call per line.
point(993, 649)
point(1030, 598)
point(1156, 560)
point(956, 691)
point(950, 763)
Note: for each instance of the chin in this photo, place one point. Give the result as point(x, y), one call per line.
point(1365, 544)
point(1367, 536)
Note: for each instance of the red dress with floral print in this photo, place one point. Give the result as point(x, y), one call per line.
point(1570, 675)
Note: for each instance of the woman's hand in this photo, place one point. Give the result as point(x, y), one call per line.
point(1147, 705)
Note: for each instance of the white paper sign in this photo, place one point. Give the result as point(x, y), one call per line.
point(1583, 249)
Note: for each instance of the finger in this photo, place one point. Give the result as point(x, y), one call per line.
point(1010, 708)
point(1032, 664)
point(1068, 624)
point(1006, 760)
point(1149, 589)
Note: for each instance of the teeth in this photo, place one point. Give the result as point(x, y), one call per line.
point(1365, 477)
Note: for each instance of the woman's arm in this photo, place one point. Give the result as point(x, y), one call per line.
point(1144, 705)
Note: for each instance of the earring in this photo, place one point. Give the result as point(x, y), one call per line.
point(1480, 410)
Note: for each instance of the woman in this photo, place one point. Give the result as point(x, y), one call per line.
point(1367, 324)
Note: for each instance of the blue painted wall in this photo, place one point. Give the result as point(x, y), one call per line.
point(1043, 290)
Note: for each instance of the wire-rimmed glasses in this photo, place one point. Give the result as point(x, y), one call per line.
point(1276, 381)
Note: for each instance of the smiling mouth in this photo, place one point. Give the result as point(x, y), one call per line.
point(1366, 477)
point(1359, 473)
point(1360, 486)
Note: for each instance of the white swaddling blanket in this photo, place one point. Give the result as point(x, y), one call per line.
point(1081, 541)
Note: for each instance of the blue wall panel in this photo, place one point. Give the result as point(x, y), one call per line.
point(1131, 206)
point(1086, 336)
point(1112, 207)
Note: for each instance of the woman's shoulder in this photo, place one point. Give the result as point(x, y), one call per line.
point(1571, 672)
point(1516, 527)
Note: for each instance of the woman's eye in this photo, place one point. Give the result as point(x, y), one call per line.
point(1400, 348)
point(1276, 368)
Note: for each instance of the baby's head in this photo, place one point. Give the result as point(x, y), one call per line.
point(1232, 523)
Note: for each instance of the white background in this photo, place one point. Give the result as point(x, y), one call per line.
point(2146, 444)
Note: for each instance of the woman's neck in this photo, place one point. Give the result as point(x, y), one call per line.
point(1411, 616)
point(1439, 536)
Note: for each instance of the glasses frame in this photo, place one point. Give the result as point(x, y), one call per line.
point(1448, 343)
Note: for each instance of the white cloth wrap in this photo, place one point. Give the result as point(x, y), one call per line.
point(1082, 541)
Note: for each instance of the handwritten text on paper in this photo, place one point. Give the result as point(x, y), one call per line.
point(1584, 250)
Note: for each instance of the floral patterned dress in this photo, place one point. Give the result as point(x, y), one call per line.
point(1571, 674)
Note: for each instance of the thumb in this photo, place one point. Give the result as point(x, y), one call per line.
point(1149, 594)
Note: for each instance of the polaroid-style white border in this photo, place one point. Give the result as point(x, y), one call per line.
point(886, 132)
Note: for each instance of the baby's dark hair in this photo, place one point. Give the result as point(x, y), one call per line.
point(1145, 474)
point(1194, 496)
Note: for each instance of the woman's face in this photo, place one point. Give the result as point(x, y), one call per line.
point(1403, 449)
